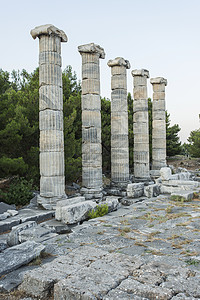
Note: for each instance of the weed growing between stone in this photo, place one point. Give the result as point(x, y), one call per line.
point(100, 211)
point(138, 243)
point(178, 198)
point(189, 253)
point(196, 195)
point(125, 222)
point(125, 229)
point(38, 260)
point(101, 232)
point(192, 262)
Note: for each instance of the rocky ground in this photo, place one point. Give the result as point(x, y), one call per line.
point(190, 163)
point(149, 250)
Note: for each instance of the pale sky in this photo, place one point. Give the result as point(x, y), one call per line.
point(157, 35)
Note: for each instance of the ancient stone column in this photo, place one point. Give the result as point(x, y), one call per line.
point(158, 123)
point(52, 180)
point(119, 122)
point(140, 125)
point(91, 121)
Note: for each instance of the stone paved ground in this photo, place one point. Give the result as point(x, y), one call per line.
point(149, 250)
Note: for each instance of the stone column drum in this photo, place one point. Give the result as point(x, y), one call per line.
point(119, 122)
point(52, 180)
point(140, 125)
point(91, 121)
point(158, 123)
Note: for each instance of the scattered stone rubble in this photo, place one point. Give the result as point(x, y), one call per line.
point(7, 211)
point(17, 256)
point(148, 250)
point(78, 209)
point(147, 247)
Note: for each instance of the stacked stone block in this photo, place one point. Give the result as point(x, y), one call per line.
point(140, 125)
point(119, 122)
point(91, 121)
point(158, 123)
point(52, 180)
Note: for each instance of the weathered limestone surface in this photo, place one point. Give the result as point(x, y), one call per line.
point(7, 211)
point(39, 282)
point(158, 123)
point(112, 202)
point(165, 173)
point(38, 234)
point(177, 183)
point(77, 212)
point(13, 236)
point(135, 190)
point(56, 226)
point(4, 207)
point(67, 202)
point(17, 256)
point(25, 215)
point(91, 121)
point(149, 250)
point(119, 121)
point(174, 186)
point(140, 125)
point(91, 282)
point(52, 180)
point(186, 195)
point(152, 190)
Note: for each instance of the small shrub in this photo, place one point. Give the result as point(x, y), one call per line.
point(100, 211)
point(18, 192)
point(124, 230)
point(192, 262)
point(196, 195)
point(169, 209)
point(177, 198)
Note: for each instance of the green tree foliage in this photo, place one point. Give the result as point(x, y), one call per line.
point(19, 192)
point(19, 134)
point(19, 126)
point(72, 125)
point(100, 211)
point(172, 138)
point(106, 135)
point(130, 130)
point(194, 143)
point(185, 149)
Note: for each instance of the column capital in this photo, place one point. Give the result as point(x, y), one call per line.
point(119, 61)
point(48, 29)
point(140, 72)
point(158, 80)
point(92, 48)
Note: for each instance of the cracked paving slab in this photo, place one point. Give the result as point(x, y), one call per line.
point(149, 250)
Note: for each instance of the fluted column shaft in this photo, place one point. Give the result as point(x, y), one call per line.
point(158, 123)
point(91, 121)
point(52, 167)
point(140, 124)
point(119, 121)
